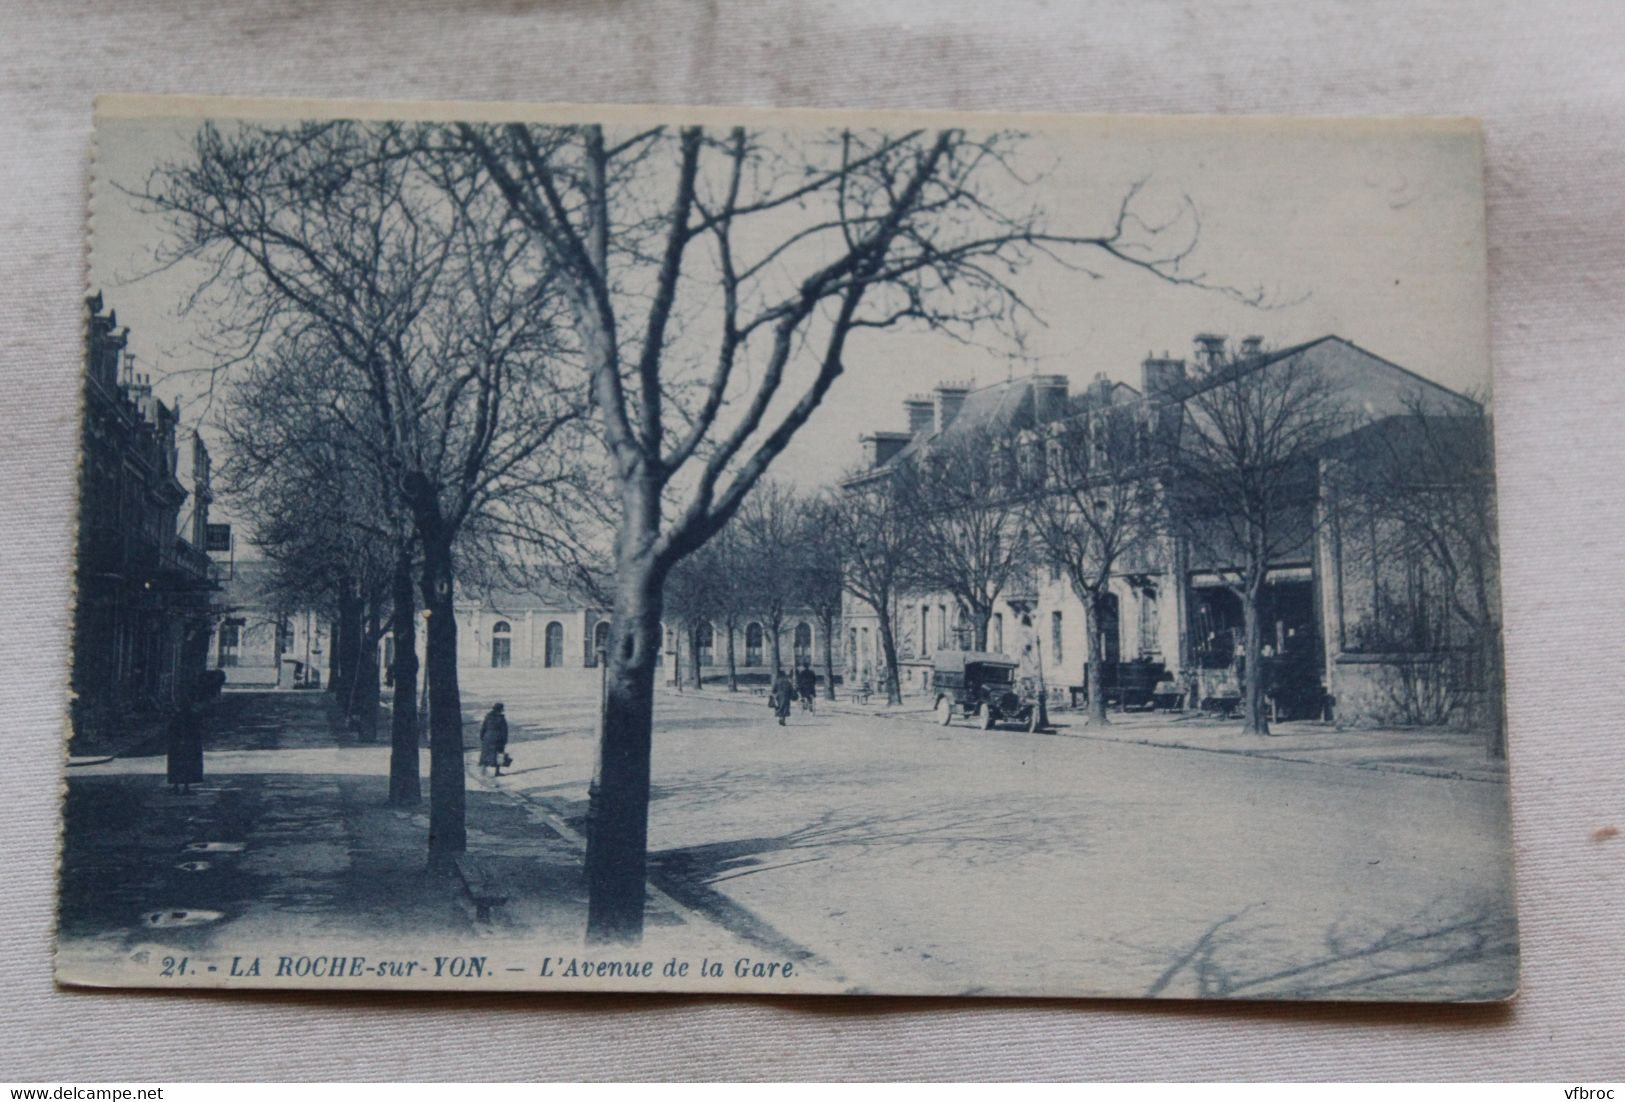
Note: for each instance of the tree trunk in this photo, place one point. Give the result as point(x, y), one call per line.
point(347, 649)
point(694, 655)
point(364, 682)
point(733, 667)
point(773, 626)
point(888, 650)
point(981, 618)
point(447, 828)
point(829, 658)
point(618, 815)
point(1255, 722)
point(335, 651)
point(405, 789)
point(1095, 685)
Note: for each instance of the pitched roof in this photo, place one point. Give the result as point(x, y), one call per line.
point(1004, 407)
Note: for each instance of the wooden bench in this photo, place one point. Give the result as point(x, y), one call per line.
point(483, 885)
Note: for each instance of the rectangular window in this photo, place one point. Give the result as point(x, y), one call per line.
point(1055, 636)
point(1148, 623)
point(230, 640)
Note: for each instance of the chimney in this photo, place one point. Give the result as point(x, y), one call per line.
point(1210, 350)
point(921, 412)
point(949, 398)
point(1049, 397)
point(1251, 347)
point(1160, 375)
point(879, 448)
point(1100, 390)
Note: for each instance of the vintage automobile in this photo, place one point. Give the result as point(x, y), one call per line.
point(983, 686)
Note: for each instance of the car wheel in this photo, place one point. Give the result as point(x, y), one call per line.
point(945, 710)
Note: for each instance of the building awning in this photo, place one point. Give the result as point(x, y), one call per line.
point(1209, 579)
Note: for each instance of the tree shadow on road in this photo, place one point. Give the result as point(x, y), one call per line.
point(1462, 954)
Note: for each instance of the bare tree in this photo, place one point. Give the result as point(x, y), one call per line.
point(818, 567)
point(285, 449)
point(691, 601)
point(437, 314)
point(1093, 507)
point(714, 281)
point(877, 534)
point(1243, 479)
point(971, 542)
point(1426, 480)
point(768, 525)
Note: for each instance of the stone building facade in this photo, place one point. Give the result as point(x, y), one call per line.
point(1174, 615)
point(144, 584)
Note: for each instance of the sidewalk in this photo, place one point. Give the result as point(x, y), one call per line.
point(289, 841)
point(1429, 752)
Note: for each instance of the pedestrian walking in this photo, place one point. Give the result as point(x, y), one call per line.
point(185, 765)
point(781, 695)
point(806, 687)
point(494, 741)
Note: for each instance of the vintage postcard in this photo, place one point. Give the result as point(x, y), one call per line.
point(718, 550)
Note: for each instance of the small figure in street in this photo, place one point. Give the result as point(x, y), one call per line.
point(806, 687)
point(186, 747)
point(781, 695)
point(494, 741)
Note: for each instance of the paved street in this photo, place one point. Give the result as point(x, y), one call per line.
point(913, 857)
point(881, 851)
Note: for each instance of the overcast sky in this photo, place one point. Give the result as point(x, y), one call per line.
point(1373, 231)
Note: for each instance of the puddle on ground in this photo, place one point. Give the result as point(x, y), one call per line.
point(180, 917)
point(214, 847)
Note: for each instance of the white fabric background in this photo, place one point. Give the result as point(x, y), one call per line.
point(1549, 80)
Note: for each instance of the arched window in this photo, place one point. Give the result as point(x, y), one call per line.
point(753, 644)
point(705, 643)
point(803, 644)
point(501, 645)
point(600, 643)
point(553, 650)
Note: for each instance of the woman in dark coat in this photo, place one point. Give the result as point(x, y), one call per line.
point(186, 747)
point(493, 740)
point(783, 693)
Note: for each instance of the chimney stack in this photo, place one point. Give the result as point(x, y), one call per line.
point(1049, 397)
point(1161, 375)
point(921, 413)
point(879, 448)
point(949, 398)
point(1210, 350)
point(1251, 347)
